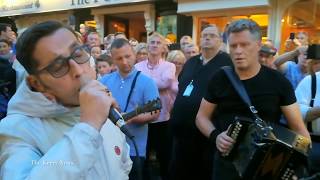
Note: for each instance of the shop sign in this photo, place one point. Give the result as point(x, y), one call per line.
point(9, 6)
point(19, 7)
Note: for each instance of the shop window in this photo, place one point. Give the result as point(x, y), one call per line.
point(132, 24)
point(301, 16)
point(167, 26)
point(221, 22)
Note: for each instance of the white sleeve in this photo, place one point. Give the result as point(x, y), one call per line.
point(119, 166)
point(70, 158)
point(303, 94)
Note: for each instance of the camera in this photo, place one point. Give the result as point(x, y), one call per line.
point(313, 51)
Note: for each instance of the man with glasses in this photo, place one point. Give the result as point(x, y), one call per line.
point(192, 156)
point(57, 125)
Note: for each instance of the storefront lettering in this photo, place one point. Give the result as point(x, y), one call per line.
point(82, 2)
point(19, 7)
point(28, 4)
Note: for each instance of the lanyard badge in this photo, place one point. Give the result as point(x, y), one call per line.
point(188, 90)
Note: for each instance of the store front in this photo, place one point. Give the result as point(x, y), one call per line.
point(134, 17)
point(132, 24)
point(223, 21)
point(135, 20)
point(223, 12)
point(301, 16)
point(277, 18)
point(23, 21)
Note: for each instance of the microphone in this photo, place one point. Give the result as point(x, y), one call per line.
point(118, 120)
point(114, 115)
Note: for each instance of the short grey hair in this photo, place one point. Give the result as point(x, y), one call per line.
point(140, 47)
point(245, 24)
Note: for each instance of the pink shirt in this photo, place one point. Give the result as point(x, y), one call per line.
point(164, 75)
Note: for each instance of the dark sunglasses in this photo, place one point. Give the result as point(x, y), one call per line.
point(61, 66)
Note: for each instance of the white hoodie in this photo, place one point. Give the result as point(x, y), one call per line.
point(40, 139)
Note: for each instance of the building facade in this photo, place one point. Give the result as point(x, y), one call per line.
point(277, 18)
point(137, 18)
point(134, 17)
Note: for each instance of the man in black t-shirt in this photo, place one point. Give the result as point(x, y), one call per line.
point(269, 91)
point(191, 155)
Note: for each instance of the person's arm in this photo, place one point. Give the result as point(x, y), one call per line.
point(167, 77)
point(119, 165)
point(294, 118)
point(204, 124)
point(203, 121)
point(280, 61)
point(150, 92)
point(70, 158)
point(312, 114)
point(144, 118)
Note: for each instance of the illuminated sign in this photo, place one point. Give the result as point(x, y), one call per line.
point(16, 6)
point(19, 7)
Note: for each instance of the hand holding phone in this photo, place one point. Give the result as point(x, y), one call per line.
point(291, 36)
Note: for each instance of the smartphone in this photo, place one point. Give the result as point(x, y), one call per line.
point(291, 36)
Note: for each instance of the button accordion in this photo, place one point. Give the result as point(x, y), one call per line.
point(279, 156)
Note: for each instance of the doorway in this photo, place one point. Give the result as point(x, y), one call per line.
point(131, 24)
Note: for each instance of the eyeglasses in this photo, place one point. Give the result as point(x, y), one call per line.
point(158, 43)
point(61, 66)
point(209, 35)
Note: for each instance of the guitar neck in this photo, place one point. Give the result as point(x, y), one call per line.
point(150, 107)
point(130, 115)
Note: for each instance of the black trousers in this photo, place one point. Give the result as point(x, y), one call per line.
point(2, 115)
point(137, 170)
point(314, 158)
point(191, 158)
point(159, 142)
point(224, 169)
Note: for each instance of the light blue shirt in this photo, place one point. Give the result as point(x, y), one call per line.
point(144, 90)
point(293, 73)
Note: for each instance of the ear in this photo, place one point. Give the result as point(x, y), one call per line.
point(37, 86)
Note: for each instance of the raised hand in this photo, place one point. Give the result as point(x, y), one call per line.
point(95, 102)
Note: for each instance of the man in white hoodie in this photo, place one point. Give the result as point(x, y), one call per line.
point(57, 126)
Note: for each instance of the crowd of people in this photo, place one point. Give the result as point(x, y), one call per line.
point(56, 124)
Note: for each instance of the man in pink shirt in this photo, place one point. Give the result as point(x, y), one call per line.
point(163, 73)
